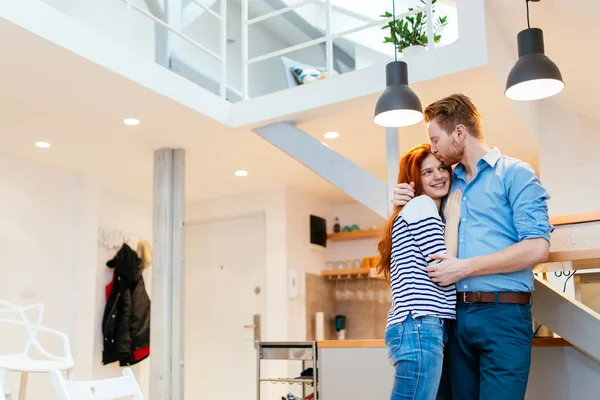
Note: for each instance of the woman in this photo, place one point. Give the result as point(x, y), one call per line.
point(415, 332)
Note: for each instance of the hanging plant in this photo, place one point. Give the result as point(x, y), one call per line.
point(412, 30)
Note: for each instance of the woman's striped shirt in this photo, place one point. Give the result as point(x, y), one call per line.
point(417, 233)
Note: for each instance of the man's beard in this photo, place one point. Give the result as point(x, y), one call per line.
point(452, 157)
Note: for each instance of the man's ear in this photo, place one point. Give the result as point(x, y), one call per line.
point(461, 132)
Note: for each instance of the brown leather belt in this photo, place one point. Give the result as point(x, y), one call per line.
point(493, 297)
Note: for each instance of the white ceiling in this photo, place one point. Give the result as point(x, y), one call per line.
point(570, 32)
point(53, 95)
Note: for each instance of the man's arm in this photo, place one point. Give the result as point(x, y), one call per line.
point(530, 217)
point(525, 254)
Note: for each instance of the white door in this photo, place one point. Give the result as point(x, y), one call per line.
point(225, 283)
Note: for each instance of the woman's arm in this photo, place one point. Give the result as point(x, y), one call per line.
point(452, 216)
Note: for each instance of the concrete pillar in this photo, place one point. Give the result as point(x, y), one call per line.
point(167, 317)
point(393, 162)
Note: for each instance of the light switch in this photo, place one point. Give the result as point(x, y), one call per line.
point(28, 292)
point(292, 283)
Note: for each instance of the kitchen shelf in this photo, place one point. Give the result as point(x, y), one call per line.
point(347, 272)
point(568, 260)
point(380, 343)
point(578, 218)
point(550, 342)
point(373, 274)
point(290, 351)
point(354, 235)
point(302, 381)
point(557, 220)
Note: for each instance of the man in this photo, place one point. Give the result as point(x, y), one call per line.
point(504, 231)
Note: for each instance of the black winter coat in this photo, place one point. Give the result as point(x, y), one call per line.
point(126, 321)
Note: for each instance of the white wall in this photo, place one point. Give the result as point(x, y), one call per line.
point(271, 203)
point(50, 254)
point(120, 219)
point(568, 162)
point(302, 256)
point(38, 211)
point(350, 214)
point(109, 17)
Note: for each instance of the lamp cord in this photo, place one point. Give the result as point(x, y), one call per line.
point(527, 4)
point(394, 31)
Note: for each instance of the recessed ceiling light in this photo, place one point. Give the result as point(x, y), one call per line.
point(241, 173)
point(131, 121)
point(42, 145)
point(331, 135)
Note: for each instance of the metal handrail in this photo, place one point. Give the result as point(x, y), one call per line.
point(211, 12)
point(281, 11)
point(328, 38)
point(222, 17)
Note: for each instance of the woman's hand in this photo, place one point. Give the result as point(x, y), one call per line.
point(452, 208)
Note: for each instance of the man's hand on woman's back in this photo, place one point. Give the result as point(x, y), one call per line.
point(403, 193)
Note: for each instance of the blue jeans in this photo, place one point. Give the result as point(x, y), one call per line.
point(416, 350)
point(488, 354)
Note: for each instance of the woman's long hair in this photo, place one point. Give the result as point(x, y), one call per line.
point(410, 171)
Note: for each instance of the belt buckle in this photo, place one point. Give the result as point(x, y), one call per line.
point(465, 299)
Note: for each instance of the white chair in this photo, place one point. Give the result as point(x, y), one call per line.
point(107, 389)
point(22, 361)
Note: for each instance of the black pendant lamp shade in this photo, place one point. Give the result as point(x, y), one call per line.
point(398, 105)
point(534, 76)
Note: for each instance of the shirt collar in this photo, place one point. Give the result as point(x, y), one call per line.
point(491, 158)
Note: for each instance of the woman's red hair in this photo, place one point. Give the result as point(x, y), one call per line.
point(410, 171)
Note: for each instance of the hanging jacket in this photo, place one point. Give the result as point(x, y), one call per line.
point(126, 321)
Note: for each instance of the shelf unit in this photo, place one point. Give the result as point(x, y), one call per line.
point(353, 273)
point(380, 343)
point(578, 218)
point(557, 220)
point(565, 260)
point(290, 351)
point(354, 235)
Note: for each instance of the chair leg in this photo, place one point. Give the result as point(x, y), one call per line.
point(23, 387)
point(3, 374)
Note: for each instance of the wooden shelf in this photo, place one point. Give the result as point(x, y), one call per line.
point(347, 272)
point(550, 342)
point(373, 274)
point(354, 235)
point(379, 343)
point(579, 218)
point(568, 260)
point(557, 220)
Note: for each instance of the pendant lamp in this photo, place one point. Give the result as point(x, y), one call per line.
point(398, 105)
point(534, 76)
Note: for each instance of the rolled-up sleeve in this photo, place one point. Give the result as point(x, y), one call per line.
point(528, 200)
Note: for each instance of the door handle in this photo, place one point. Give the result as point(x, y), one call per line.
point(250, 326)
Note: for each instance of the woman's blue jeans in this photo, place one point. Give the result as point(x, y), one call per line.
point(416, 350)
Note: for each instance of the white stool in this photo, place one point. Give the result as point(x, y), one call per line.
point(21, 361)
point(114, 388)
